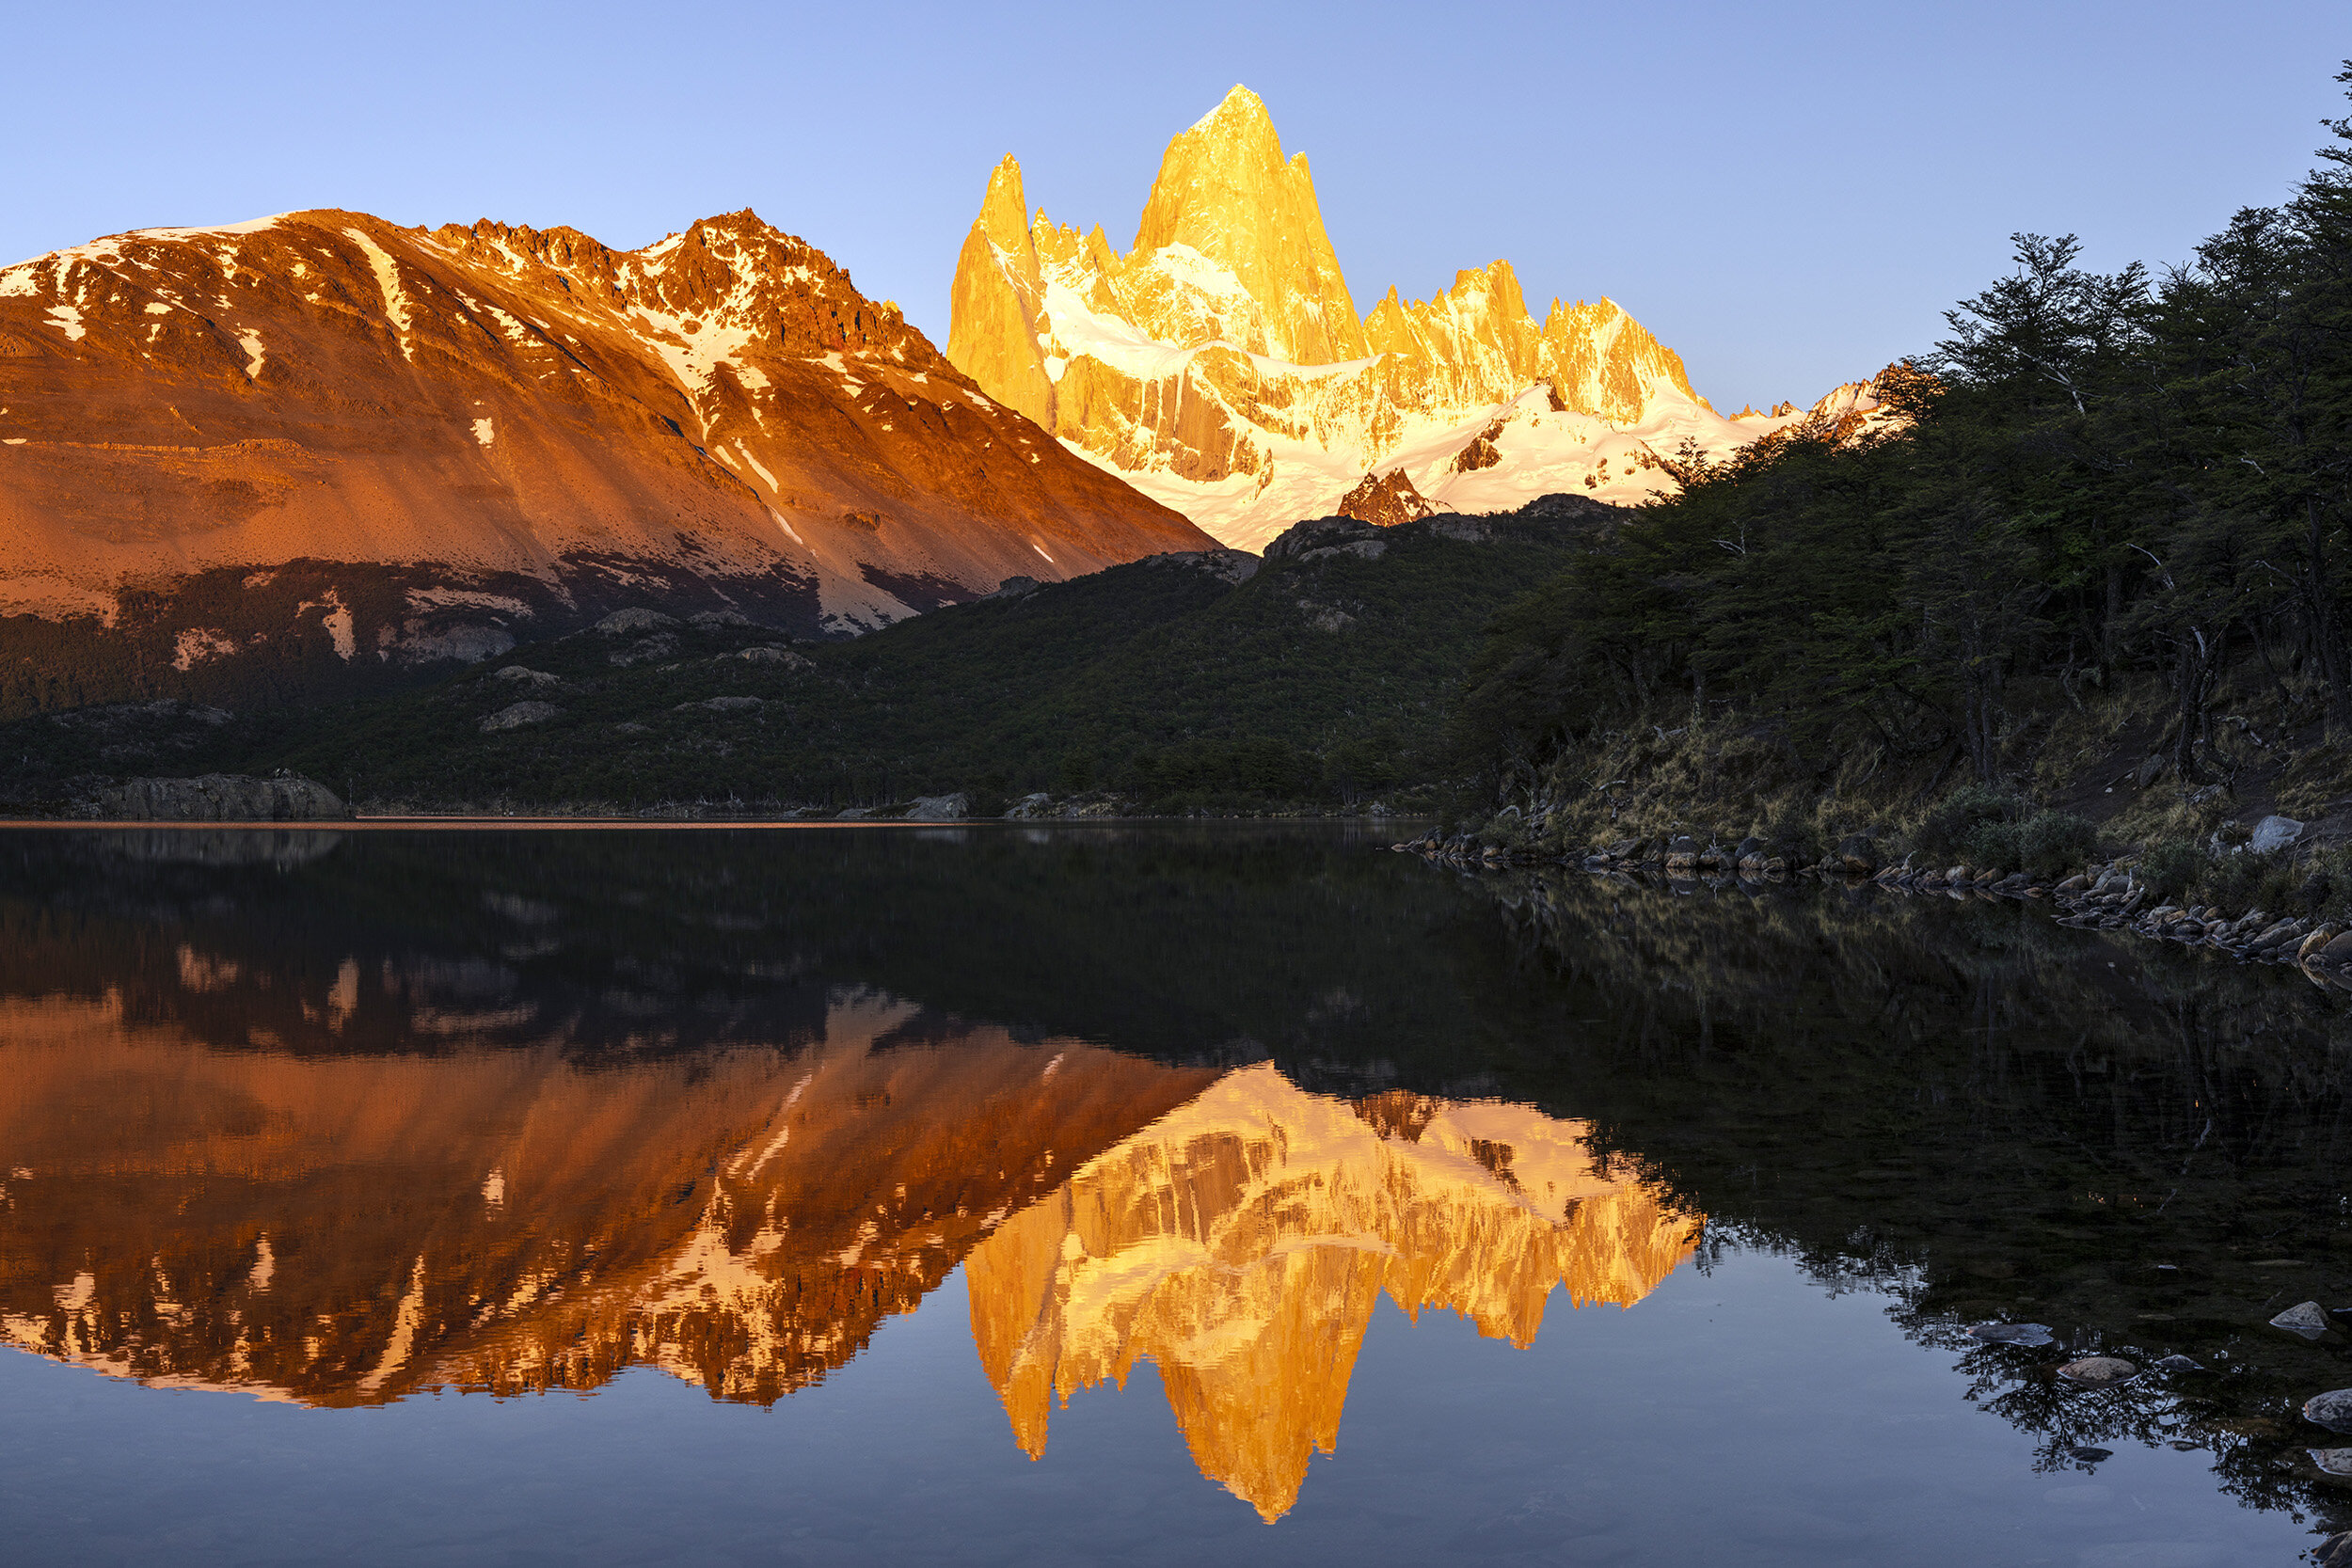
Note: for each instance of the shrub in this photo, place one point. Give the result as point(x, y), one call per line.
point(1992, 845)
point(1947, 829)
point(2169, 869)
point(2239, 881)
point(1789, 832)
point(2051, 844)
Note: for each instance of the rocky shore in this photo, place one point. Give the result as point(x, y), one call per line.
point(2112, 895)
point(212, 797)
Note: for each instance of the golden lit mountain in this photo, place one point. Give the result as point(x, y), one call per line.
point(325, 434)
point(1242, 1242)
point(1220, 365)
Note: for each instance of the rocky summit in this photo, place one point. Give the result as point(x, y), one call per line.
point(324, 442)
point(1220, 365)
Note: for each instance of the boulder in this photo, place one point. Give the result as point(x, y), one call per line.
point(1858, 853)
point(2272, 936)
point(2273, 833)
point(939, 808)
point(215, 798)
point(1683, 853)
point(2310, 946)
point(1030, 807)
point(2333, 1409)
point(515, 716)
point(639, 619)
point(2336, 954)
point(516, 674)
point(2076, 883)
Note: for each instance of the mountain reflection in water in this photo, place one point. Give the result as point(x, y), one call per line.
point(351, 1229)
point(337, 1118)
point(1242, 1242)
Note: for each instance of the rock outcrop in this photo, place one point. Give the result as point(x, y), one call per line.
point(1385, 499)
point(325, 440)
point(1219, 363)
point(214, 798)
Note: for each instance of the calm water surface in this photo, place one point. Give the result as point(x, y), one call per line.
point(1129, 1196)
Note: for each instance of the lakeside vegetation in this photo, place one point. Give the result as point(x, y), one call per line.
point(2096, 570)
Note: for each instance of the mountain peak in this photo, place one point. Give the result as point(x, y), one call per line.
point(1221, 365)
point(1003, 206)
point(1237, 107)
point(1225, 192)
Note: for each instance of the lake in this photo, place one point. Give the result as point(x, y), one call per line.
point(1131, 1194)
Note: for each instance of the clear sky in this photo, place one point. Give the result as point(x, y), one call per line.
point(1790, 195)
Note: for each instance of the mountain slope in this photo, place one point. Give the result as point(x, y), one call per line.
point(324, 436)
point(1219, 364)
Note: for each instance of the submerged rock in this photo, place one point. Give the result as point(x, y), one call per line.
point(2308, 1319)
point(2028, 1334)
point(2336, 1462)
point(2099, 1372)
point(2179, 1364)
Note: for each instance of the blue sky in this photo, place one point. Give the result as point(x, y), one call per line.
point(1788, 194)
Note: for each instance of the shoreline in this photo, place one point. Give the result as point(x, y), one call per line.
point(477, 823)
point(2107, 896)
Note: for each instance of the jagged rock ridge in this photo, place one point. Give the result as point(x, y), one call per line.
point(1219, 364)
point(385, 445)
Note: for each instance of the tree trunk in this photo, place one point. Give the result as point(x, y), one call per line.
point(2326, 634)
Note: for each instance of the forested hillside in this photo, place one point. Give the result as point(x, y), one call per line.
point(2098, 564)
point(1323, 676)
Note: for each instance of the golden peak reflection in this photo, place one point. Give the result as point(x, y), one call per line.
point(1242, 1242)
point(347, 1228)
